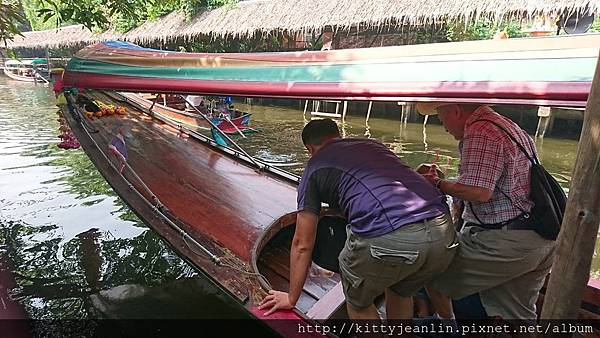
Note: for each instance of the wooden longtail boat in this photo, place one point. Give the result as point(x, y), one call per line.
point(233, 216)
point(239, 122)
point(27, 70)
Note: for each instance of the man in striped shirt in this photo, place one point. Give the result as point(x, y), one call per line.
point(501, 262)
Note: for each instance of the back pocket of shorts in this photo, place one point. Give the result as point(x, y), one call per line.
point(394, 256)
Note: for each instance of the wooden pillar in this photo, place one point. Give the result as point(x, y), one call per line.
point(544, 115)
point(327, 38)
point(305, 108)
point(369, 112)
point(577, 238)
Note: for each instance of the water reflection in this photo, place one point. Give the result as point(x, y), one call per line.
point(71, 241)
point(415, 143)
point(367, 133)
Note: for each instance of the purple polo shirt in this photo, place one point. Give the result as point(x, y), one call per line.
point(369, 185)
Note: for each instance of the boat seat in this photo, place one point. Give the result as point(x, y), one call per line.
point(327, 305)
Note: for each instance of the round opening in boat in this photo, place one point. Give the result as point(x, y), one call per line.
point(273, 258)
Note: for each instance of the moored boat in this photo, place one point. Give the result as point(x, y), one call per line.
point(35, 70)
point(230, 121)
point(233, 216)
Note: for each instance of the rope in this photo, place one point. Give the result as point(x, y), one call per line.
point(223, 263)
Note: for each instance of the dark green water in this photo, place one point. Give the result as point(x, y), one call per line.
point(78, 252)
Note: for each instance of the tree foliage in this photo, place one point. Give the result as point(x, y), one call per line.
point(121, 15)
point(11, 20)
point(482, 30)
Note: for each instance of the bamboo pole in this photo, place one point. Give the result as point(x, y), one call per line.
point(576, 241)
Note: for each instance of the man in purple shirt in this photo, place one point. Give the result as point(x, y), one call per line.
point(399, 235)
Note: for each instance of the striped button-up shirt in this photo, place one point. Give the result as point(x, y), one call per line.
point(491, 160)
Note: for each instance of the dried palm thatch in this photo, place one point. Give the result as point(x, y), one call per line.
point(248, 18)
point(69, 36)
point(260, 17)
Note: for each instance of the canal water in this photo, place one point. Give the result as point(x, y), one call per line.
point(77, 252)
point(74, 248)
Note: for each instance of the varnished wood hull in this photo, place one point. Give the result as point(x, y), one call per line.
point(221, 202)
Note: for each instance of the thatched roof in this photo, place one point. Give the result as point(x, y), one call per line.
point(69, 36)
point(249, 18)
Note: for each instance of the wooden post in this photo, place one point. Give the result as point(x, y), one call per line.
point(575, 244)
point(544, 115)
point(305, 108)
point(369, 112)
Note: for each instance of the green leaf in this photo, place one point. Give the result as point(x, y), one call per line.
point(67, 13)
point(47, 16)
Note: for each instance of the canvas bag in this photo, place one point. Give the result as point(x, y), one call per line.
point(548, 197)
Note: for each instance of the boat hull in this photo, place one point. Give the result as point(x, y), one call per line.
point(231, 209)
point(547, 71)
point(23, 78)
point(219, 202)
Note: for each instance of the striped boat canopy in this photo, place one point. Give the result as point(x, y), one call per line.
point(554, 71)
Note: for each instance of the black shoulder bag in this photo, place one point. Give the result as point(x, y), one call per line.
point(548, 197)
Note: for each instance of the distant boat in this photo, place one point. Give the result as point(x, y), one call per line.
point(27, 70)
point(230, 121)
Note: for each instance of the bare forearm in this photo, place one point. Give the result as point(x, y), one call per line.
point(465, 192)
point(300, 259)
point(301, 252)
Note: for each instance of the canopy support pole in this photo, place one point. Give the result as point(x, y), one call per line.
point(153, 103)
point(576, 241)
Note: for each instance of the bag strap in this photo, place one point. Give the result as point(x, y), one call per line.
point(533, 158)
point(505, 195)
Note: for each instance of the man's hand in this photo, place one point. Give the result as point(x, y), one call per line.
point(276, 300)
point(431, 175)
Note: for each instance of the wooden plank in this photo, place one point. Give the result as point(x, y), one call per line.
point(278, 282)
point(318, 113)
point(577, 238)
point(328, 304)
point(278, 259)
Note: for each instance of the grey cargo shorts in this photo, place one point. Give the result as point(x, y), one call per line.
point(404, 260)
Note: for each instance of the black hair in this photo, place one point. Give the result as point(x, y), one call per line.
point(316, 131)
